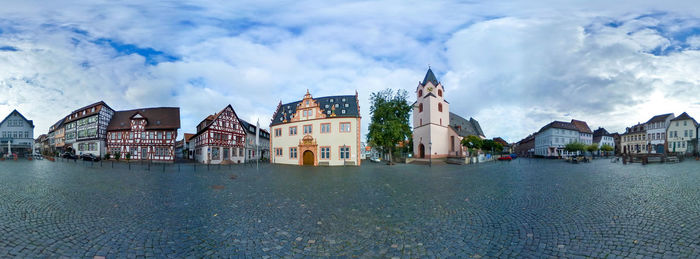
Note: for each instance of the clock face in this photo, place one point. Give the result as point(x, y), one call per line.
point(430, 89)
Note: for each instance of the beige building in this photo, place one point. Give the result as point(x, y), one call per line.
point(438, 133)
point(634, 140)
point(317, 131)
point(681, 134)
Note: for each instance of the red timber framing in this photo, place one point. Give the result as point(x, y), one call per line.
point(145, 134)
point(221, 131)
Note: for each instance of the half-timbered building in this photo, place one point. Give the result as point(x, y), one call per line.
point(86, 129)
point(317, 131)
point(220, 138)
point(144, 134)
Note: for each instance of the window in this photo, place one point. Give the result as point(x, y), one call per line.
point(215, 153)
point(345, 127)
point(292, 152)
point(325, 127)
point(311, 113)
point(226, 153)
point(420, 107)
point(685, 132)
point(240, 151)
point(278, 132)
point(440, 107)
point(420, 93)
point(168, 135)
point(308, 129)
point(278, 152)
point(325, 153)
point(292, 131)
point(439, 92)
point(345, 152)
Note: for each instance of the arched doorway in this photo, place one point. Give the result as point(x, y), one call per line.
point(308, 157)
point(421, 151)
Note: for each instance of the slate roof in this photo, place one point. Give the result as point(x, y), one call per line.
point(285, 111)
point(581, 126)
point(465, 127)
point(57, 125)
point(430, 77)
point(247, 126)
point(601, 132)
point(87, 113)
point(156, 118)
point(635, 129)
point(659, 118)
point(684, 116)
point(31, 122)
point(559, 125)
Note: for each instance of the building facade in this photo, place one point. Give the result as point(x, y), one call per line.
point(682, 134)
point(656, 132)
point(317, 131)
point(585, 133)
point(525, 147)
point(438, 133)
point(262, 150)
point(220, 138)
point(634, 140)
point(551, 139)
point(144, 134)
point(86, 129)
point(57, 136)
point(16, 135)
point(602, 137)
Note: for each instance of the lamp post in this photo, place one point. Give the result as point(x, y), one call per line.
point(430, 149)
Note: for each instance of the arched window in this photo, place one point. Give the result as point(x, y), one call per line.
point(420, 93)
point(439, 92)
point(420, 107)
point(440, 107)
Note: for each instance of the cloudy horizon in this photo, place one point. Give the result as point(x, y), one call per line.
point(514, 66)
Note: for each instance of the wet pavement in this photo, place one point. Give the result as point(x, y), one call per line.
point(524, 208)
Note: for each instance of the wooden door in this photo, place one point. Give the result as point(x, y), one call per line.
point(308, 157)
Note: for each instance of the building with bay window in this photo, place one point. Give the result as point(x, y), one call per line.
point(220, 138)
point(317, 131)
point(86, 129)
point(144, 134)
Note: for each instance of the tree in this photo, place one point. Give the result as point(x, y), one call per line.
point(389, 124)
point(592, 148)
point(575, 146)
point(472, 143)
point(492, 146)
point(607, 148)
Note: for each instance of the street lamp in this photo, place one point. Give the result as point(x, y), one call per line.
point(430, 150)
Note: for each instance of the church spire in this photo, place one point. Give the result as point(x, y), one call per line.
point(430, 77)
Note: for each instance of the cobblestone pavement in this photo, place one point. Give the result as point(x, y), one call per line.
point(524, 208)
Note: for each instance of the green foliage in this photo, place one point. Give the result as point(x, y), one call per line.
point(117, 156)
point(389, 124)
point(575, 146)
point(592, 148)
point(607, 148)
point(106, 156)
point(472, 142)
point(491, 146)
point(127, 156)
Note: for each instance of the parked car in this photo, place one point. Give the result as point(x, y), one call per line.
point(513, 156)
point(69, 155)
point(38, 157)
point(505, 158)
point(375, 159)
point(89, 157)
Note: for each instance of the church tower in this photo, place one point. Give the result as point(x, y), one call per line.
point(431, 118)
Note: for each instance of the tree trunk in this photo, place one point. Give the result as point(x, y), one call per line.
point(391, 158)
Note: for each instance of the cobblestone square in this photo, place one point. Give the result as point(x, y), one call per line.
point(524, 208)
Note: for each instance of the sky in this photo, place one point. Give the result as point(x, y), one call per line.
point(512, 65)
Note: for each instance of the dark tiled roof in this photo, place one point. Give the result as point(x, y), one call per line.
point(635, 129)
point(98, 106)
point(581, 126)
point(600, 132)
point(559, 125)
point(57, 125)
point(430, 77)
point(250, 128)
point(31, 122)
point(285, 111)
point(156, 118)
point(465, 127)
point(684, 116)
point(660, 118)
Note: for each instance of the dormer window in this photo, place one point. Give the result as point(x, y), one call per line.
point(439, 92)
point(93, 109)
point(347, 105)
point(420, 93)
point(332, 100)
point(84, 112)
point(343, 111)
point(326, 106)
point(343, 100)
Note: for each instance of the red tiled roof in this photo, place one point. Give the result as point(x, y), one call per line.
point(582, 126)
point(156, 118)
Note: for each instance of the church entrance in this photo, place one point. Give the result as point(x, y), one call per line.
point(421, 151)
point(308, 157)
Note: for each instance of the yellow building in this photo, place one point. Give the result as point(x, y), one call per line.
point(317, 131)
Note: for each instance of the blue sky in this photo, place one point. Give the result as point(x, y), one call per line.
point(512, 65)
